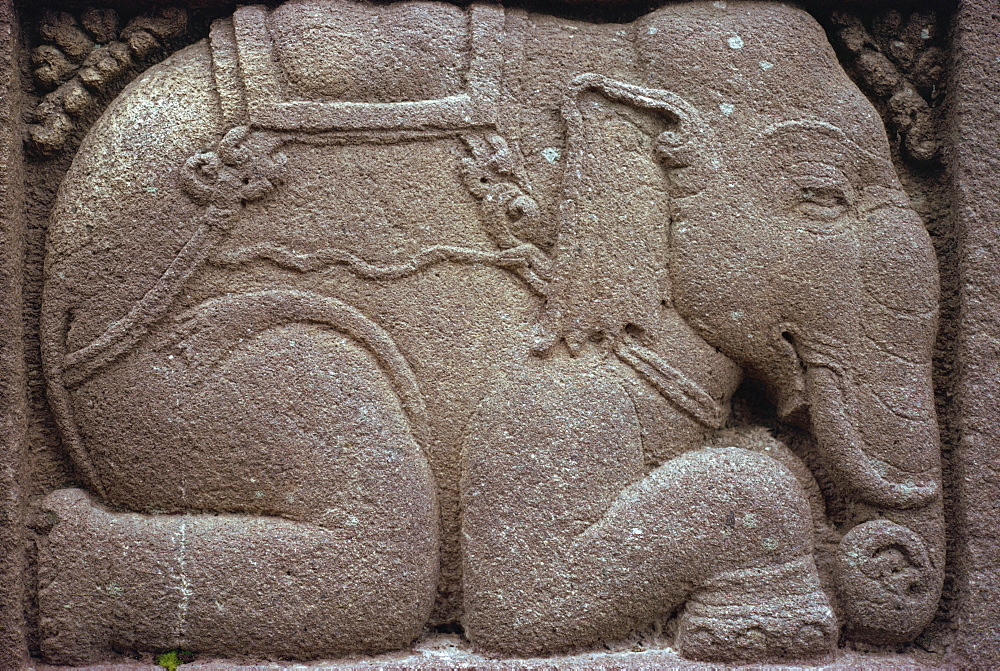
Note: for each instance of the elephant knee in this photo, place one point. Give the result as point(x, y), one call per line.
point(745, 508)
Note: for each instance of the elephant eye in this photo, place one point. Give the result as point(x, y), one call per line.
point(821, 199)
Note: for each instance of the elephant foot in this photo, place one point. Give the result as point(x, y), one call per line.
point(72, 596)
point(760, 614)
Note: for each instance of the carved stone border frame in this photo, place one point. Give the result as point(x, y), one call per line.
point(972, 155)
point(13, 378)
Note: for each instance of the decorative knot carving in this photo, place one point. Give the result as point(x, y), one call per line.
point(494, 174)
point(243, 169)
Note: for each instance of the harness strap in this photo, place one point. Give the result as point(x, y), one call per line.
point(226, 68)
point(685, 394)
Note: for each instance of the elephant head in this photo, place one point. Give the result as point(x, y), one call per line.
point(805, 264)
point(796, 254)
point(803, 261)
point(792, 249)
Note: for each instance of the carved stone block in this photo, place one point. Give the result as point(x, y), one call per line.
point(467, 334)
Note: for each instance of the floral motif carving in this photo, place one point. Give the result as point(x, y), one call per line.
point(82, 58)
point(901, 65)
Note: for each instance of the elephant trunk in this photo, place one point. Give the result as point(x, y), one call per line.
point(867, 471)
point(871, 394)
point(871, 410)
point(889, 569)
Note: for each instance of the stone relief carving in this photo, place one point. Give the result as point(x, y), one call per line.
point(358, 318)
point(902, 64)
point(81, 58)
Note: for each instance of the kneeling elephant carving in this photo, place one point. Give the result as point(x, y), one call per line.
point(363, 319)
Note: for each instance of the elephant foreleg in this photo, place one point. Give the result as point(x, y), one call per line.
point(567, 543)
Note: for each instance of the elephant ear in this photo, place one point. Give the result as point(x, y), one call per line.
point(630, 150)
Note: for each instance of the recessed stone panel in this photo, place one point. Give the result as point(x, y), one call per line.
point(425, 334)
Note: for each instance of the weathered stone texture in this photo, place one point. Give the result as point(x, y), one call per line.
point(363, 323)
point(974, 160)
point(13, 397)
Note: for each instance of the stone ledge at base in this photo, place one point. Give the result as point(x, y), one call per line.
point(449, 652)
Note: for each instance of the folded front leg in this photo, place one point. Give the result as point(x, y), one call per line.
point(568, 543)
